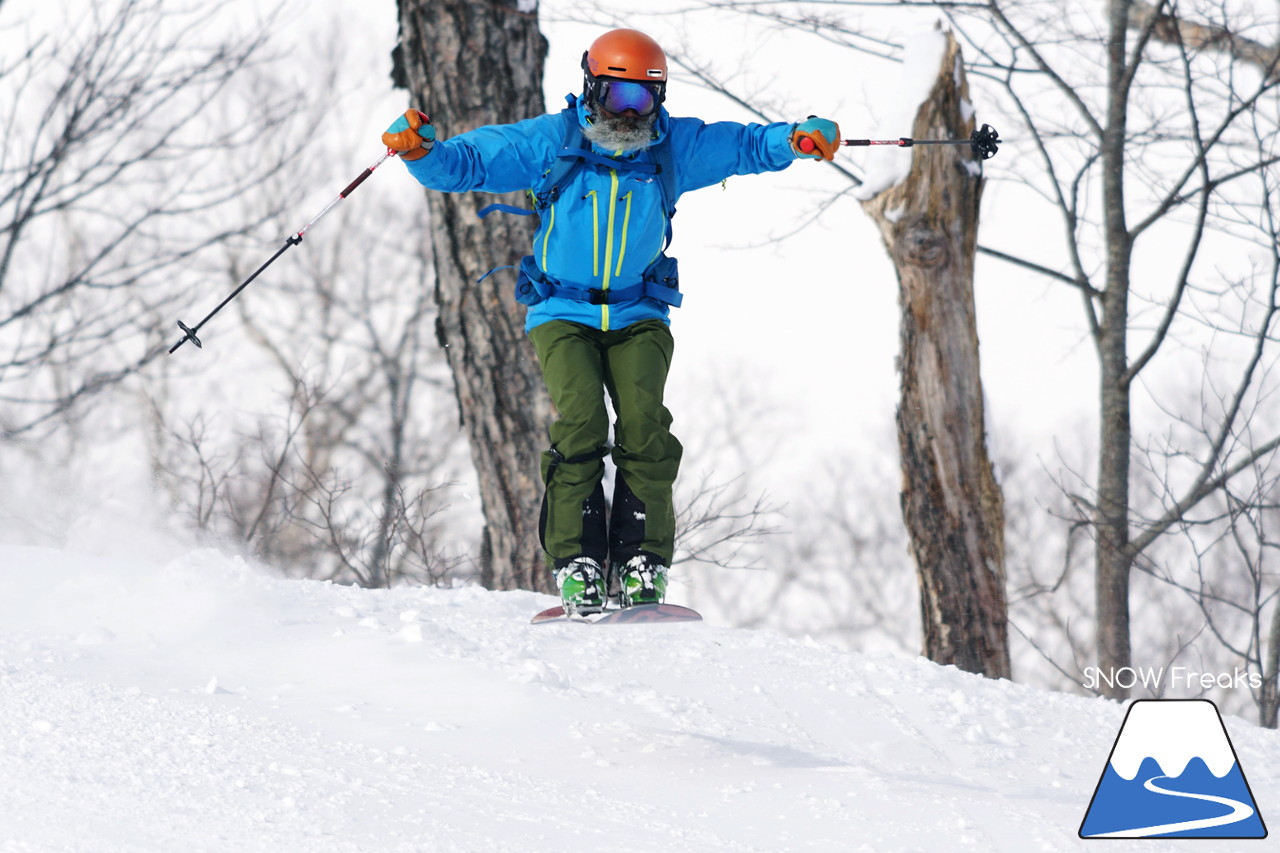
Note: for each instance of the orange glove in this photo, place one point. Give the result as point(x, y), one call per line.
point(411, 135)
point(816, 138)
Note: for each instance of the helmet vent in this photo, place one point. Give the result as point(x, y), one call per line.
point(616, 68)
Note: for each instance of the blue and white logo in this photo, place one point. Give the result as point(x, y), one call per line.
point(1173, 773)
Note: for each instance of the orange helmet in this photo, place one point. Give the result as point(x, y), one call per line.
point(625, 55)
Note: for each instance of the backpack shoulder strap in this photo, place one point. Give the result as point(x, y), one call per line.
point(573, 146)
point(666, 176)
point(568, 157)
point(576, 150)
point(666, 179)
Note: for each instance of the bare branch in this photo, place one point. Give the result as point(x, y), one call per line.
point(1172, 28)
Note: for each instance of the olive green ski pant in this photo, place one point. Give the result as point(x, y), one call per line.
point(579, 365)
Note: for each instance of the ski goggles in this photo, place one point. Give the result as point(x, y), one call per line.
point(618, 96)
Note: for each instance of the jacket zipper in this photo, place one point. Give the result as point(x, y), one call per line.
point(595, 234)
point(546, 238)
point(608, 246)
point(626, 226)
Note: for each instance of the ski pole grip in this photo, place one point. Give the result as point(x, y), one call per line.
point(805, 144)
point(357, 182)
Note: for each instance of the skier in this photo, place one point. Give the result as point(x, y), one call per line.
point(599, 287)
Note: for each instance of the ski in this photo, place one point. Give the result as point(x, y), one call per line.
point(636, 614)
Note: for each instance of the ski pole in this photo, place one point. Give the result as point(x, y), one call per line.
point(983, 142)
point(189, 332)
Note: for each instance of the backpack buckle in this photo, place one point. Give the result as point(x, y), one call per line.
point(596, 296)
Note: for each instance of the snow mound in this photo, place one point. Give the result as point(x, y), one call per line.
point(198, 703)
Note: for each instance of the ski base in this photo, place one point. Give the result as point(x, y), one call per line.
point(635, 615)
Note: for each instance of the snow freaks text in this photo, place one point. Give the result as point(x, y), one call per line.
point(1169, 677)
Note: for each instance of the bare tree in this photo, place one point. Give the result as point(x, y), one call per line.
point(951, 503)
point(844, 573)
point(824, 564)
point(1156, 129)
point(347, 476)
point(1209, 143)
point(471, 64)
point(112, 182)
point(1222, 562)
point(1050, 587)
point(1234, 585)
point(1202, 29)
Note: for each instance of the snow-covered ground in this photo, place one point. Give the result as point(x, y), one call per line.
point(195, 702)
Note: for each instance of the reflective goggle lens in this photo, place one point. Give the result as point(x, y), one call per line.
point(617, 96)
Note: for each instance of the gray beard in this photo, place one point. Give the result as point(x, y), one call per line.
point(621, 133)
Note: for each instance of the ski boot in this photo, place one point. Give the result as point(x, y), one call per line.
point(644, 581)
point(581, 584)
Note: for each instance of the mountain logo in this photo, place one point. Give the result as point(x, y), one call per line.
point(1173, 773)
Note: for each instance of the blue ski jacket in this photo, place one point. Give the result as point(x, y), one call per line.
point(607, 226)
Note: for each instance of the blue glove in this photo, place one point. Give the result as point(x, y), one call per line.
point(816, 138)
point(411, 135)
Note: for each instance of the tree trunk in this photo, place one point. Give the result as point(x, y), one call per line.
point(468, 64)
point(951, 503)
point(1114, 557)
point(1269, 701)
